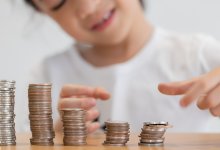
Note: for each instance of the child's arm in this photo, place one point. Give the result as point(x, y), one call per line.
point(77, 96)
point(205, 90)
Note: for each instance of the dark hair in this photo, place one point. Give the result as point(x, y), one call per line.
point(142, 3)
point(30, 2)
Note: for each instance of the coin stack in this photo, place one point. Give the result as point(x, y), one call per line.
point(41, 122)
point(117, 133)
point(153, 133)
point(7, 125)
point(74, 126)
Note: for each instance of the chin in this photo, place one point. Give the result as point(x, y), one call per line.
point(113, 39)
point(111, 42)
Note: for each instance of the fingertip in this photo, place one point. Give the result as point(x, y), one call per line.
point(93, 127)
point(101, 93)
point(166, 88)
point(63, 104)
point(96, 124)
point(105, 96)
point(96, 112)
point(161, 87)
point(92, 114)
point(203, 103)
point(184, 102)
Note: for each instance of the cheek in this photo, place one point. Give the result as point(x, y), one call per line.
point(74, 31)
point(69, 23)
point(72, 28)
point(128, 6)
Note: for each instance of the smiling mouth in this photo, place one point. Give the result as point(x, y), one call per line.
point(105, 22)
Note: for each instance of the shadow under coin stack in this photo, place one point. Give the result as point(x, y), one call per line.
point(41, 122)
point(153, 133)
point(7, 125)
point(74, 126)
point(117, 133)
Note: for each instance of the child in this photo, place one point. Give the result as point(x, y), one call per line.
point(119, 50)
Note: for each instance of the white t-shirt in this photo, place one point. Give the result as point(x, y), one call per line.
point(133, 84)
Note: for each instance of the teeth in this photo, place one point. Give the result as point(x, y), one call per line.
point(106, 17)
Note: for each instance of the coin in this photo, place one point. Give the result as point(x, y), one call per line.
point(117, 133)
point(7, 101)
point(74, 127)
point(152, 133)
point(106, 143)
point(40, 114)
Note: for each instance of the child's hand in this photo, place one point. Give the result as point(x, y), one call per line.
point(77, 96)
point(205, 90)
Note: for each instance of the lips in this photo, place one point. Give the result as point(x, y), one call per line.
point(104, 22)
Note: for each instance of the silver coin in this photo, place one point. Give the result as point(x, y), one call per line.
point(111, 144)
point(7, 126)
point(41, 85)
point(7, 143)
point(40, 109)
point(74, 144)
point(156, 123)
point(158, 140)
point(116, 123)
point(150, 144)
point(74, 128)
point(117, 133)
point(152, 133)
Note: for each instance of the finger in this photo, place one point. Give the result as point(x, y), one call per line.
point(175, 88)
point(211, 100)
point(101, 93)
point(70, 90)
point(58, 126)
point(85, 103)
point(92, 115)
point(215, 111)
point(92, 127)
point(199, 89)
point(200, 102)
point(203, 85)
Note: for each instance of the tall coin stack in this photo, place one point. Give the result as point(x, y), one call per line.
point(74, 126)
point(153, 133)
point(7, 125)
point(117, 133)
point(41, 122)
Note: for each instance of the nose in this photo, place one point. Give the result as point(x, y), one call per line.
point(86, 7)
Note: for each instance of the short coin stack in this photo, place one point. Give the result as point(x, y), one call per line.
point(7, 125)
point(74, 126)
point(41, 122)
point(153, 133)
point(117, 133)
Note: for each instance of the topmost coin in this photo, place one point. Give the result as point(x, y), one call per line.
point(156, 123)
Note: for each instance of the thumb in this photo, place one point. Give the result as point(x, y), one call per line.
point(175, 88)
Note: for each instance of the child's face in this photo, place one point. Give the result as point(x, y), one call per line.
point(98, 22)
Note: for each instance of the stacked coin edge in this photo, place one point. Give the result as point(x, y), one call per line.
point(152, 133)
point(74, 126)
point(7, 102)
point(40, 109)
point(117, 133)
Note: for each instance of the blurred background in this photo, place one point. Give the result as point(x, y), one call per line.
point(26, 37)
